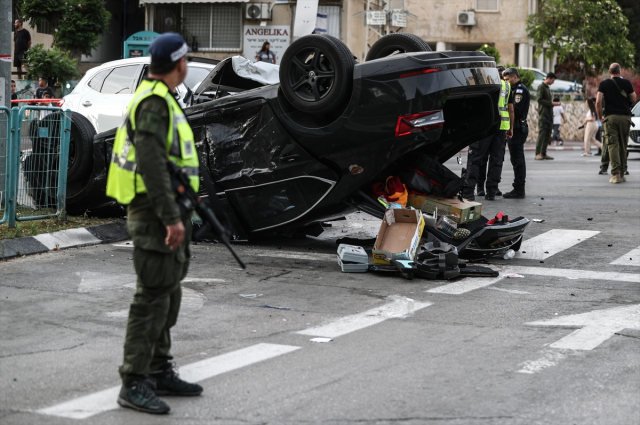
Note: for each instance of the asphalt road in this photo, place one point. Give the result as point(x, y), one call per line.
point(470, 353)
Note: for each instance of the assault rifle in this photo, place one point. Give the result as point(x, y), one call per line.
point(188, 200)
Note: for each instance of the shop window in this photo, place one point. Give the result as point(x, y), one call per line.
point(333, 19)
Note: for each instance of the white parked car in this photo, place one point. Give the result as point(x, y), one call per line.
point(103, 94)
point(558, 85)
point(634, 134)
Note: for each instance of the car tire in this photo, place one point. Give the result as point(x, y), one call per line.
point(396, 43)
point(314, 56)
point(80, 143)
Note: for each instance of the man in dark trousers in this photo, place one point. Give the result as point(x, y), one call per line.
point(619, 96)
point(545, 116)
point(22, 43)
point(491, 148)
point(520, 99)
point(154, 131)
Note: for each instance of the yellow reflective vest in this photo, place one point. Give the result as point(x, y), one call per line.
point(123, 182)
point(505, 90)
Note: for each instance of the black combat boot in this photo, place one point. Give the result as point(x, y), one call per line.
point(139, 395)
point(169, 383)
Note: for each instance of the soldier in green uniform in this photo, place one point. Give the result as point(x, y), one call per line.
point(154, 131)
point(545, 116)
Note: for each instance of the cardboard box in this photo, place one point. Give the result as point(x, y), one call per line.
point(461, 211)
point(399, 236)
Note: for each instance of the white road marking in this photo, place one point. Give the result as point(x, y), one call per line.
point(511, 291)
point(465, 285)
point(91, 281)
point(355, 322)
point(595, 326)
point(552, 242)
point(631, 258)
point(472, 283)
point(550, 358)
point(103, 401)
point(294, 256)
point(202, 280)
point(67, 238)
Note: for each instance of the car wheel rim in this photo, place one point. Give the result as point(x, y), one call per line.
point(312, 75)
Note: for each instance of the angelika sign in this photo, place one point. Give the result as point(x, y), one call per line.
point(278, 36)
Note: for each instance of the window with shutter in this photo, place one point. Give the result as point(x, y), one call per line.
point(486, 5)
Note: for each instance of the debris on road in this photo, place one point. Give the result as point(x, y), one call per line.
point(514, 275)
point(352, 259)
point(509, 254)
point(250, 295)
point(277, 308)
point(401, 307)
point(537, 220)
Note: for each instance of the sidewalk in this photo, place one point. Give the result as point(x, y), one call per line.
point(567, 146)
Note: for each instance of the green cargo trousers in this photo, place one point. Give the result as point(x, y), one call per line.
point(617, 128)
point(544, 134)
point(604, 159)
point(156, 303)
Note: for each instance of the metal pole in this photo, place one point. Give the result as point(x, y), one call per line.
point(6, 18)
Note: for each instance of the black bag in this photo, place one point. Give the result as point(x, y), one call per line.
point(434, 178)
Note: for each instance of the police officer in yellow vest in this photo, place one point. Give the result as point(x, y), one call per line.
point(154, 131)
point(491, 148)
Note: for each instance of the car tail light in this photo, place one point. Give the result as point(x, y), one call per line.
point(423, 71)
point(417, 123)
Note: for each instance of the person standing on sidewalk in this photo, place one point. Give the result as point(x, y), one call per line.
point(618, 96)
point(545, 116)
point(520, 99)
point(22, 43)
point(590, 125)
point(154, 132)
point(558, 119)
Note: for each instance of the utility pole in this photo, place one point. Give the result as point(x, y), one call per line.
point(6, 20)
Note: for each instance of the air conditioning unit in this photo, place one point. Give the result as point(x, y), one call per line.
point(466, 18)
point(258, 11)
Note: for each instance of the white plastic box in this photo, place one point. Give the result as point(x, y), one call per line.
point(352, 259)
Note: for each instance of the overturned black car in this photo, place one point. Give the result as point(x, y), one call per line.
point(290, 154)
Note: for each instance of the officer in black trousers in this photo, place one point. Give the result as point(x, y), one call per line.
point(520, 99)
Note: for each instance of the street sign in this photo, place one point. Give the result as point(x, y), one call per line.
point(376, 17)
point(595, 326)
point(399, 19)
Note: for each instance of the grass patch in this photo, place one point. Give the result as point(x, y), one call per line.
point(49, 225)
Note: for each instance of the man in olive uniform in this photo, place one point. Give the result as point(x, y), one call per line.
point(520, 99)
point(619, 96)
point(490, 148)
point(545, 116)
point(154, 131)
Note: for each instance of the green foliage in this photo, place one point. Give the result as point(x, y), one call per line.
point(631, 9)
point(77, 24)
point(490, 51)
point(54, 64)
point(589, 31)
point(526, 75)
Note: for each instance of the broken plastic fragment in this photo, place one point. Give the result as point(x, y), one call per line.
point(250, 295)
point(512, 275)
point(321, 340)
point(537, 220)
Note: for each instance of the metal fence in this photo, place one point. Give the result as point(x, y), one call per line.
point(37, 155)
point(4, 147)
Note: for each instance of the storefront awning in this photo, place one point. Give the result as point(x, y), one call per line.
point(191, 1)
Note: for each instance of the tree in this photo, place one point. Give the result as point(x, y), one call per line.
point(587, 32)
point(77, 24)
point(631, 9)
point(490, 51)
point(53, 64)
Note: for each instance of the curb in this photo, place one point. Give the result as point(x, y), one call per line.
point(72, 238)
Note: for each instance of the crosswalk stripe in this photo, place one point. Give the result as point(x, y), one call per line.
point(105, 400)
point(631, 258)
point(552, 242)
point(469, 284)
point(355, 322)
